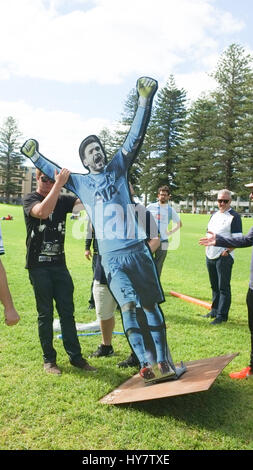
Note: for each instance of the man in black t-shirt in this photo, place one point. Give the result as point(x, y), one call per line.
point(45, 214)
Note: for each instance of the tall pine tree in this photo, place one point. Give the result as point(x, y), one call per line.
point(234, 112)
point(167, 129)
point(11, 160)
point(107, 140)
point(138, 168)
point(196, 174)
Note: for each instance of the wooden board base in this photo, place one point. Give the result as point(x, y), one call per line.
point(199, 377)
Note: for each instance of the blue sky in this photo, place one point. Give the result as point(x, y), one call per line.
point(66, 66)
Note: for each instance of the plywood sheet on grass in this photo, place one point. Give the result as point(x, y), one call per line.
point(199, 377)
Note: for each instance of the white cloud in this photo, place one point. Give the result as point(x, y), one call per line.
point(109, 41)
point(58, 133)
point(195, 83)
point(106, 42)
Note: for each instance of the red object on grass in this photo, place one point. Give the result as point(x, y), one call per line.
point(193, 300)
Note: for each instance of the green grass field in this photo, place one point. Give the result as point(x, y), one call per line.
point(44, 412)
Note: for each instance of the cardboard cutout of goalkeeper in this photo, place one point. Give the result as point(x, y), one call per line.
point(126, 259)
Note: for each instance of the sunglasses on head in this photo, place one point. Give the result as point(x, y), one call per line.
point(45, 179)
point(223, 200)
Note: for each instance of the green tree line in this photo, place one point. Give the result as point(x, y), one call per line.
point(11, 161)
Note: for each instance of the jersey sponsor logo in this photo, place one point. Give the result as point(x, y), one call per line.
point(107, 189)
point(105, 194)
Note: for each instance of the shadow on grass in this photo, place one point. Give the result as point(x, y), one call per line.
point(222, 409)
point(107, 373)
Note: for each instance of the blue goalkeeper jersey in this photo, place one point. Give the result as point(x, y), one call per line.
point(106, 195)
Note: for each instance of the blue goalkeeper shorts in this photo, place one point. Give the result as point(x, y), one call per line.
point(132, 277)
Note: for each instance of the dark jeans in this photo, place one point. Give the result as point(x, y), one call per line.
point(159, 257)
point(94, 263)
point(54, 283)
point(249, 301)
point(220, 271)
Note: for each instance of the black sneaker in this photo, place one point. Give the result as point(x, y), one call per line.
point(209, 315)
point(131, 361)
point(218, 321)
point(103, 350)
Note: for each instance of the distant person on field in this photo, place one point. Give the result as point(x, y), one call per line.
point(227, 223)
point(238, 242)
point(10, 313)
point(163, 213)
